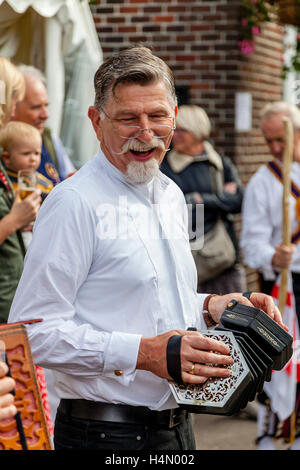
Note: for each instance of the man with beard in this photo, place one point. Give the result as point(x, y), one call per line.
point(261, 242)
point(116, 281)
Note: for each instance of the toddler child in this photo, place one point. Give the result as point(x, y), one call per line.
point(21, 146)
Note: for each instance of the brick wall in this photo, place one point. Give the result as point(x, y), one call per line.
point(198, 39)
point(260, 74)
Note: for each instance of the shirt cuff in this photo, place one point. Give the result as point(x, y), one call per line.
point(201, 299)
point(121, 357)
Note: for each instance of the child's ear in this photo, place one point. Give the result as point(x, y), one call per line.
point(5, 157)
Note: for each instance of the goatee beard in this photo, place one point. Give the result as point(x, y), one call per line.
point(141, 172)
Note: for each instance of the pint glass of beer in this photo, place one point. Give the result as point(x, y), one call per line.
point(27, 182)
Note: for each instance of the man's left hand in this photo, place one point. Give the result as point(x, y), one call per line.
point(218, 303)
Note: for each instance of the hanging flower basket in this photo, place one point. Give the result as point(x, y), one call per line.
point(289, 12)
point(253, 14)
point(256, 12)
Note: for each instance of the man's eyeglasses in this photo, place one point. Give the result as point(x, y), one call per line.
point(178, 130)
point(160, 129)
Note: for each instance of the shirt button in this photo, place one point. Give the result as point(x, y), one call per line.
point(119, 373)
point(139, 438)
point(102, 435)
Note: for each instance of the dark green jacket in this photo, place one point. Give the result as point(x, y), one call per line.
point(12, 252)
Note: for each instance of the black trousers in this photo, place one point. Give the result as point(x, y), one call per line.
point(73, 433)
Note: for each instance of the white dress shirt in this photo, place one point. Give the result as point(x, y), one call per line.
point(105, 267)
point(262, 220)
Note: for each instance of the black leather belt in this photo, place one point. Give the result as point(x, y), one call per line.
point(96, 411)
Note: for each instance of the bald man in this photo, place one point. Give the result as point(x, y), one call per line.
point(261, 241)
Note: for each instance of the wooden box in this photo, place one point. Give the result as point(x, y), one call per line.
point(14, 339)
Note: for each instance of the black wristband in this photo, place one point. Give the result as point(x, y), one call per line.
point(173, 358)
point(247, 295)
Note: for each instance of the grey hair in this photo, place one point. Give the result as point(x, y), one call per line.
point(31, 71)
point(281, 107)
point(136, 64)
point(194, 119)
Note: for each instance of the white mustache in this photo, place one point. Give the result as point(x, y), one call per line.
point(134, 144)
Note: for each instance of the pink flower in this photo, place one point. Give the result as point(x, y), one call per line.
point(244, 22)
point(246, 46)
point(255, 30)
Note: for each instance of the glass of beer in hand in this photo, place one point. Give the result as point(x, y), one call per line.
point(27, 183)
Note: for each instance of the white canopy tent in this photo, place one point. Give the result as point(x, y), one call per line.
point(59, 38)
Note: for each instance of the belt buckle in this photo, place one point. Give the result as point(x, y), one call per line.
point(174, 419)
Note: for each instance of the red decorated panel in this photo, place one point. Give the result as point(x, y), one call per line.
point(28, 398)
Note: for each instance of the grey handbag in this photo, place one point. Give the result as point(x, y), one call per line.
point(218, 252)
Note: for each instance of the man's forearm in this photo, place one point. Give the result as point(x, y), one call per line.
point(8, 225)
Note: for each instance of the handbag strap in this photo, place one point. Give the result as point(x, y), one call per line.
point(216, 179)
point(217, 184)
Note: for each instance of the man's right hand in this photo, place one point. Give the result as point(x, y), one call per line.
point(283, 255)
point(210, 356)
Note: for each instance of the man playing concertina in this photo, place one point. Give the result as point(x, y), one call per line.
point(110, 272)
